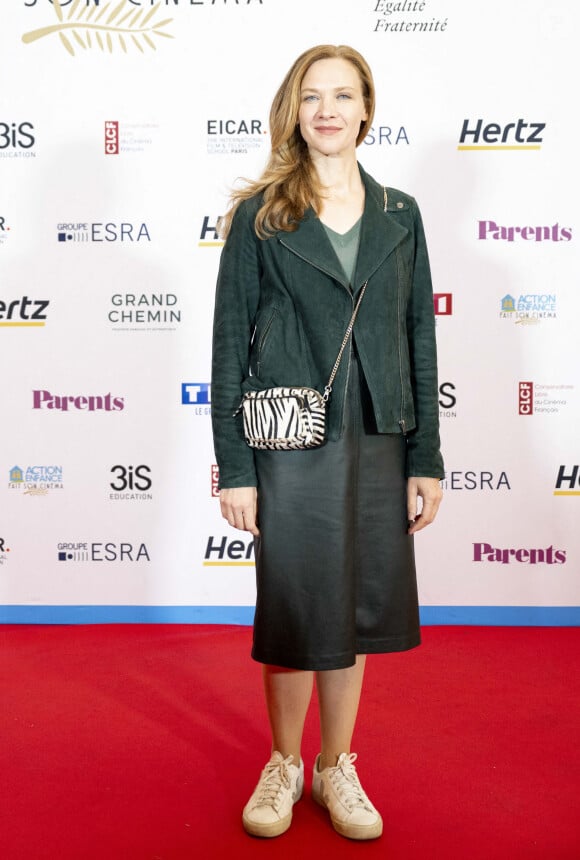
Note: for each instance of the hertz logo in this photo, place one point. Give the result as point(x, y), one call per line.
point(513, 135)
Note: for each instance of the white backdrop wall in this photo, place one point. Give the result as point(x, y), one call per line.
point(122, 126)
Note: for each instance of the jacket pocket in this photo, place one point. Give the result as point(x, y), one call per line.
point(263, 340)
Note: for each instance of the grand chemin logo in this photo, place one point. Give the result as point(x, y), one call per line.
point(82, 26)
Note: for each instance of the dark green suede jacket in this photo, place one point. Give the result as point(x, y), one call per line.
point(282, 308)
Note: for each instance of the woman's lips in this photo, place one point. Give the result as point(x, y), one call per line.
point(327, 129)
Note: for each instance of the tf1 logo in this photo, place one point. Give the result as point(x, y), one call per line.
point(131, 478)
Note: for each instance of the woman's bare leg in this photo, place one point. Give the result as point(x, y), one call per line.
point(338, 699)
point(288, 693)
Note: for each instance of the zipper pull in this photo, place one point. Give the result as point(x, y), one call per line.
point(402, 426)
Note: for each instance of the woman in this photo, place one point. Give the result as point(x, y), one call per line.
point(333, 525)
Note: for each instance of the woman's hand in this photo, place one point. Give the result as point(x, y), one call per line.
point(239, 506)
point(431, 493)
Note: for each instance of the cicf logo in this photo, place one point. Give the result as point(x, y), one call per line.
point(111, 138)
point(234, 136)
point(222, 552)
point(209, 236)
point(555, 233)
point(492, 135)
point(528, 308)
point(36, 480)
point(131, 483)
point(17, 140)
point(526, 398)
point(386, 135)
point(198, 395)
point(69, 403)
point(215, 481)
point(443, 303)
point(543, 398)
point(568, 479)
point(84, 551)
point(98, 231)
point(4, 550)
point(88, 25)
point(23, 312)
point(487, 552)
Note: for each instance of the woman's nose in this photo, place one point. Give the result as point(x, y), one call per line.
point(326, 106)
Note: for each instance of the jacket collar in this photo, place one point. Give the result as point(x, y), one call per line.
point(380, 235)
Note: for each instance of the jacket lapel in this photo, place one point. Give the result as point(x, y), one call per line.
point(380, 235)
point(311, 243)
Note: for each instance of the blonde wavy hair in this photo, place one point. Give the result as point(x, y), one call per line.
point(289, 182)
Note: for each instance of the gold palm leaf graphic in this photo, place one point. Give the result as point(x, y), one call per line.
point(85, 29)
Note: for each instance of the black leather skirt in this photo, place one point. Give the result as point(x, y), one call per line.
point(335, 567)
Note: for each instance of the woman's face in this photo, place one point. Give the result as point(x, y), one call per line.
point(331, 107)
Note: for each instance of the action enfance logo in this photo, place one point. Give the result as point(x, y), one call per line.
point(36, 480)
point(87, 25)
point(528, 308)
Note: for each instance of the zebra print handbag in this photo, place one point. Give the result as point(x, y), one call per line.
point(290, 419)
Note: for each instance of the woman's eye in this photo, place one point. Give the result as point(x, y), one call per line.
point(309, 98)
point(344, 96)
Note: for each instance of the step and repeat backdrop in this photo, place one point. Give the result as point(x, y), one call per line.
point(123, 125)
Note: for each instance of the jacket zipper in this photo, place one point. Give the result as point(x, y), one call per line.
point(399, 288)
point(263, 341)
point(351, 294)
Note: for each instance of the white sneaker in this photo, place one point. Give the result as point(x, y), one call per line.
point(268, 812)
point(339, 790)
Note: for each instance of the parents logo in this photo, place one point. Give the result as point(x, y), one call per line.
point(486, 552)
point(42, 399)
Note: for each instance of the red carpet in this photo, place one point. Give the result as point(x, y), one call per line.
point(144, 742)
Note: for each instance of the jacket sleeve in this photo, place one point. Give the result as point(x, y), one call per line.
point(423, 444)
point(236, 302)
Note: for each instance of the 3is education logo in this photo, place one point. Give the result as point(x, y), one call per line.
point(447, 400)
point(17, 140)
point(131, 483)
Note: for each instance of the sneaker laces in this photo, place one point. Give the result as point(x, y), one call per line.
point(274, 780)
point(346, 783)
